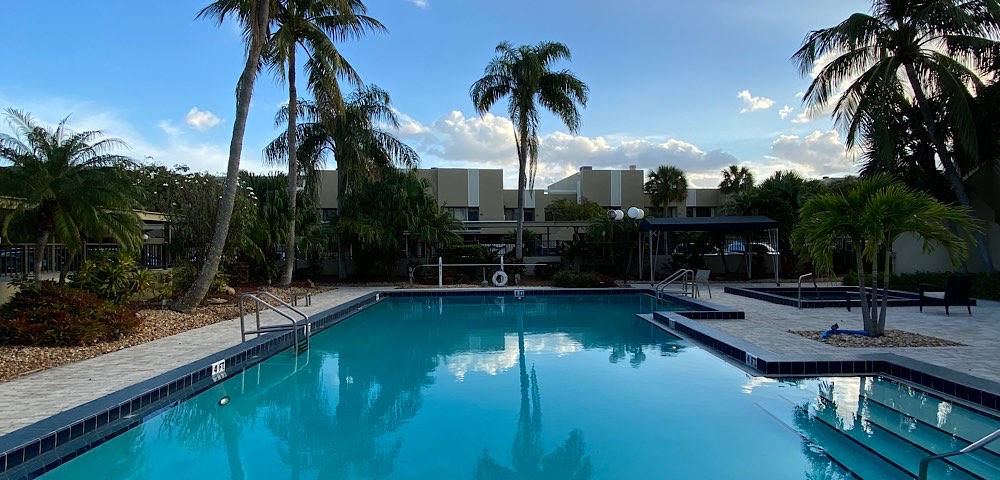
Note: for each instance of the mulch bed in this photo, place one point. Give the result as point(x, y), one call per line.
point(892, 338)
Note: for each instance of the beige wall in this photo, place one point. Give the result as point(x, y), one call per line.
point(491, 195)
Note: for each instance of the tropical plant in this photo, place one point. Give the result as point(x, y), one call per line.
point(355, 137)
point(666, 184)
point(876, 212)
point(313, 25)
point(933, 50)
point(563, 210)
point(254, 17)
point(47, 314)
point(735, 179)
point(116, 278)
point(378, 213)
point(525, 75)
point(64, 185)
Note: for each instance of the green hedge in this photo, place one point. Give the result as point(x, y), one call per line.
point(569, 279)
point(984, 286)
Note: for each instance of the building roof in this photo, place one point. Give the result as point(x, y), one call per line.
point(687, 224)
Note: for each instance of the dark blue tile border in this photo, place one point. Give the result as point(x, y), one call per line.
point(972, 390)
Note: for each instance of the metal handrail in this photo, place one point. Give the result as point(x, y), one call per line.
point(804, 275)
point(666, 282)
point(972, 447)
point(258, 302)
point(502, 265)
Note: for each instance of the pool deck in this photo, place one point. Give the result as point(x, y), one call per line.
point(37, 396)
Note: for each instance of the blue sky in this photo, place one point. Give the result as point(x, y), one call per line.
point(665, 81)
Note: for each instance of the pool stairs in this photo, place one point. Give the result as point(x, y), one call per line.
point(892, 429)
point(265, 301)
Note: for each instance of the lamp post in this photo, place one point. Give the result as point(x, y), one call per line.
point(634, 213)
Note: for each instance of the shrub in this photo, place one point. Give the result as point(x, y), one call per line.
point(984, 286)
point(183, 275)
point(57, 316)
point(568, 278)
point(547, 270)
point(115, 277)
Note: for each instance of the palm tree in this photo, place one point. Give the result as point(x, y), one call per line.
point(935, 48)
point(666, 184)
point(734, 179)
point(525, 75)
point(253, 16)
point(66, 184)
point(873, 214)
point(361, 149)
point(314, 25)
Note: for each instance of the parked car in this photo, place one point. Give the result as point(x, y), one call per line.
point(695, 249)
point(756, 248)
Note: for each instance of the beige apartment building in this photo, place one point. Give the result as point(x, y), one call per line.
point(477, 198)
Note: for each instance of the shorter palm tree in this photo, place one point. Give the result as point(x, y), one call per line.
point(735, 179)
point(873, 214)
point(666, 184)
point(67, 185)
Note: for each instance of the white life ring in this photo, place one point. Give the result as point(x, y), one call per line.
point(500, 278)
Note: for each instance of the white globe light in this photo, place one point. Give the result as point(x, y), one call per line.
point(642, 213)
point(619, 214)
point(611, 214)
point(633, 213)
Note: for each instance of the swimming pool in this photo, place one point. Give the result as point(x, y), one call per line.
point(539, 387)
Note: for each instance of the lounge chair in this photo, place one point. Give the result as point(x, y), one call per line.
point(957, 290)
point(700, 276)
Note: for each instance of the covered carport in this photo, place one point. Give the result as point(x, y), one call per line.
point(744, 226)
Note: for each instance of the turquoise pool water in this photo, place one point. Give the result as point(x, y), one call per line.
point(545, 387)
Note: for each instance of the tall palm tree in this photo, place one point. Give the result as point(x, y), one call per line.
point(873, 214)
point(930, 49)
point(666, 184)
point(313, 25)
point(253, 16)
point(66, 184)
point(735, 178)
point(354, 136)
point(525, 75)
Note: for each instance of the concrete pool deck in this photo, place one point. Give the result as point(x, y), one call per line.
point(37, 396)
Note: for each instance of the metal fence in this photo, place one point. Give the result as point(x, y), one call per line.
point(19, 259)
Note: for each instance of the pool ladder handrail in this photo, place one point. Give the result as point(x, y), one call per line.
point(685, 275)
point(816, 287)
point(972, 447)
point(258, 302)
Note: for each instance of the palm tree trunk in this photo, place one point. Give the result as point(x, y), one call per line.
point(244, 91)
point(950, 171)
point(293, 170)
point(40, 242)
point(341, 260)
point(64, 269)
point(522, 181)
point(866, 314)
point(880, 325)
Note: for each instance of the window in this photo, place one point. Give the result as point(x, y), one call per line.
point(511, 214)
point(508, 213)
point(328, 214)
point(699, 211)
point(473, 214)
point(529, 214)
point(459, 213)
point(671, 212)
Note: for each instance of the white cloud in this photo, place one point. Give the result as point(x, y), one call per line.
point(802, 117)
point(419, 3)
point(168, 127)
point(785, 111)
point(201, 119)
point(754, 103)
point(814, 155)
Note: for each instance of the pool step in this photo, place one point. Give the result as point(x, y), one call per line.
point(890, 427)
point(842, 453)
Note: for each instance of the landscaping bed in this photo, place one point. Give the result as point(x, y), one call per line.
point(892, 339)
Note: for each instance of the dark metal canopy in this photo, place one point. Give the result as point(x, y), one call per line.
point(706, 224)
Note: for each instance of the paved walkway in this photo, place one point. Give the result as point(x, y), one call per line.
point(767, 326)
point(28, 399)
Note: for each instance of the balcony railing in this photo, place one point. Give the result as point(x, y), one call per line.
point(19, 259)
